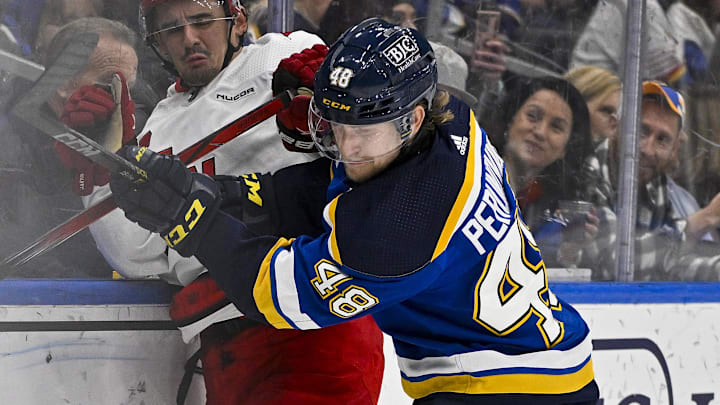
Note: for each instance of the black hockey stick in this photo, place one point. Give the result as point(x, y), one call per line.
point(33, 109)
point(82, 220)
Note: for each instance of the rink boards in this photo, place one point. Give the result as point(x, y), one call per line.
point(110, 342)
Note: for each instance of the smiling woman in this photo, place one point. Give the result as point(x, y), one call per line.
point(546, 140)
point(542, 120)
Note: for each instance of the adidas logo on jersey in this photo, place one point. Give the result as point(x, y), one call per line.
point(460, 143)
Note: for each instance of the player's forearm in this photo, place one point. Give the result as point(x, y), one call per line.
point(296, 283)
point(235, 257)
point(300, 193)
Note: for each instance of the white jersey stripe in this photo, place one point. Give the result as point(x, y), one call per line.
point(286, 292)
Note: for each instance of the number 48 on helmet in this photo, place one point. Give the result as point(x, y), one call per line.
point(367, 88)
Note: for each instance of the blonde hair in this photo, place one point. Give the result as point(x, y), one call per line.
point(593, 82)
point(438, 114)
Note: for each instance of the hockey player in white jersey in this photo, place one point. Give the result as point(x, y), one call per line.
point(219, 79)
point(422, 230)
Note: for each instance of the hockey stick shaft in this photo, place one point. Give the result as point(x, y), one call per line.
point(32, 108)
point(19, 66)
point(82, 220)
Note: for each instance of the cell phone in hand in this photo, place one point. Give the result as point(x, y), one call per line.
point(487, 24)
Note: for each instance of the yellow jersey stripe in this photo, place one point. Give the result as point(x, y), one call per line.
point(462, 198)
point(332, 240)
point(263, 291)
point(503, 384)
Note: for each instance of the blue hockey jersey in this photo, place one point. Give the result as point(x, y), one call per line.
point(434, 247)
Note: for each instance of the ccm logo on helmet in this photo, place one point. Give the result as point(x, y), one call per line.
point(403, 52)
point(336, 105)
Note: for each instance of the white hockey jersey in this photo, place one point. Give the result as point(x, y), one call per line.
point(182, 119)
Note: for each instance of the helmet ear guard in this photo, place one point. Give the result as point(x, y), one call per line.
point(404, 124)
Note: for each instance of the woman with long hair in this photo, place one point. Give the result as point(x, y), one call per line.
point(546, 140)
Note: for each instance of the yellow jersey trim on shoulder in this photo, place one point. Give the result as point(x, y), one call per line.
point(526, 383)
point(457, 209)
point(263, 291)
point(332, 240)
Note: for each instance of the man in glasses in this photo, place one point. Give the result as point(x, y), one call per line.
point(219, 79)
point(668, 245)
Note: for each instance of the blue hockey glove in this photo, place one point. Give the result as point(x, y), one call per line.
point(174, 202)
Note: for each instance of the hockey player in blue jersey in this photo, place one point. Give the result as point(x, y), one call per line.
point(420, 229)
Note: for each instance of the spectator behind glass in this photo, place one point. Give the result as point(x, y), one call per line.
point(42, 197)
point(307, 16)
point(601, 91)
point(548, 28)
point(546, 140)
point(452, 68)
point(694, 22)
point(343, 14)
point(115, 52)
point(35, 22)
point(326, 18)
point(602, 43)
point(153, 80)
point(21, 17)
point(667, 243)
point(403, 13)
point(57, 13)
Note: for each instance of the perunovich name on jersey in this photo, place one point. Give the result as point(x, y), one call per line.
point(493, 214)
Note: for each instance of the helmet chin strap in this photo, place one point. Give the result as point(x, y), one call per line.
point(231, 49)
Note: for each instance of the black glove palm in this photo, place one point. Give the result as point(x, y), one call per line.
point(175, 202)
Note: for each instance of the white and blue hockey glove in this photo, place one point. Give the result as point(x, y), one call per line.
point(174, 202)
